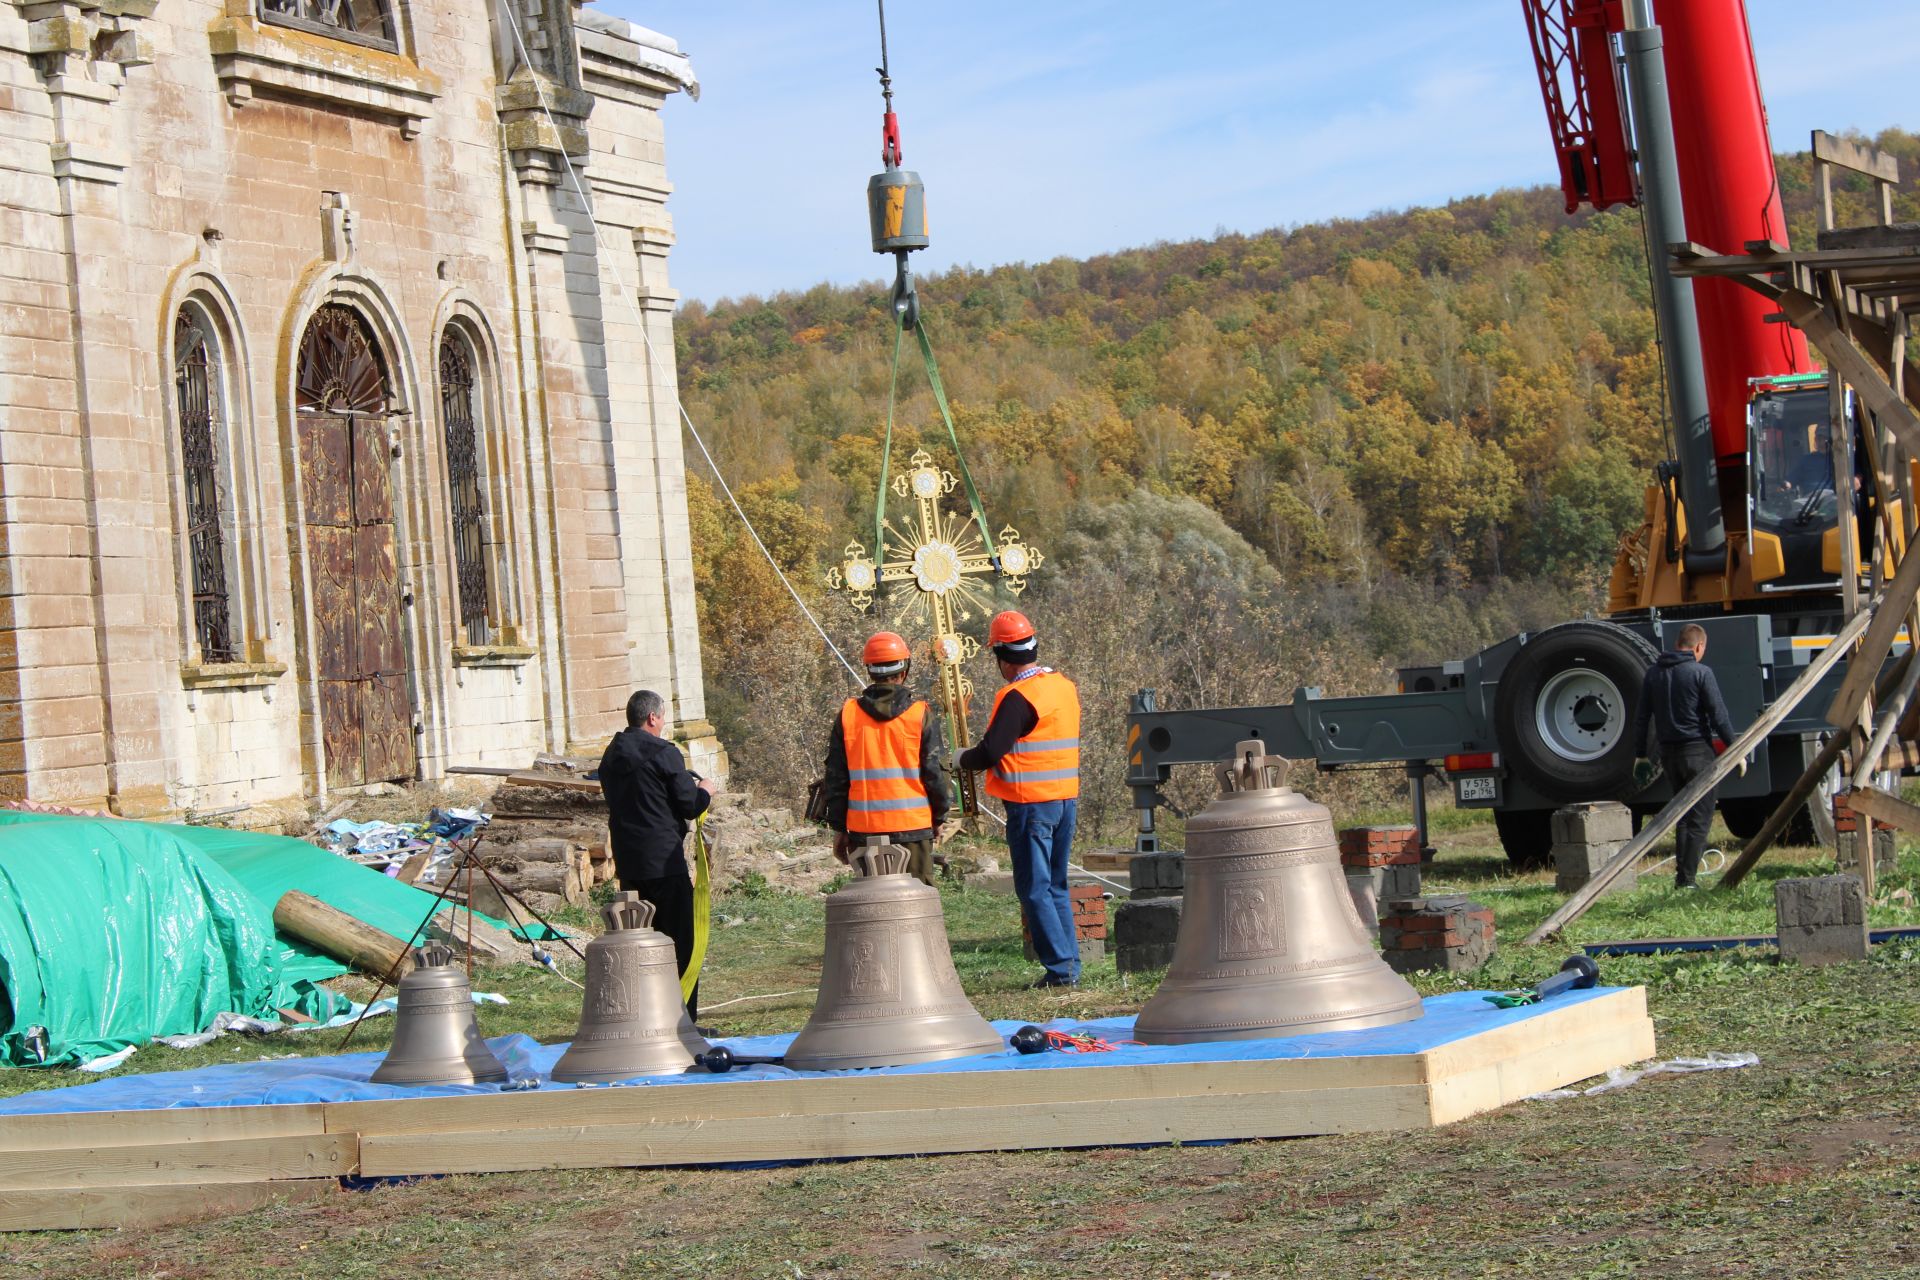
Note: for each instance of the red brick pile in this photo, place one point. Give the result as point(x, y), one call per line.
point(1379, 847)
point(1089, 911)
point(1845, 819)
point(1449, 933)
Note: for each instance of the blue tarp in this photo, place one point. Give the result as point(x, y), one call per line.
point(344, 1077)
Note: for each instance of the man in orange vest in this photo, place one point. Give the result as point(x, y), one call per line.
point(884, 780)
point(1031, 756)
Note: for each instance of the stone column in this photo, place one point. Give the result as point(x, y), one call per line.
point(123, 471)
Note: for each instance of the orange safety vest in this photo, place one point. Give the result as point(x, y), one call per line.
point(884, 794)
point(1044, 765)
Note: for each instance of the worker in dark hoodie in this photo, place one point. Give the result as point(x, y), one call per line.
point(1681, 700)
point(885, 784)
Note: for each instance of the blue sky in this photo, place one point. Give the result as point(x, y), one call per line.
point(1064, 127)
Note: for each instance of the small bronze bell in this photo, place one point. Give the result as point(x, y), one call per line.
point(436, 1038)
point(1270, 943)
point(888, 993)
point(632, 1021)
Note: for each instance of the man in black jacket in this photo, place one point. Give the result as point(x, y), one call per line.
point(651, 797)
point(1681, 699)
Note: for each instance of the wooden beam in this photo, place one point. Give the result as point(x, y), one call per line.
point(1802, 790)
point(1852, 364)
point(1876, 803)
point(83, 1208)
point(327, 1155)
point(699, 1100)
point(59, 1130)
point(565, 783)
point(1864, 667)
point(1691, 794)
point(1855, 156)
point(1893, 709)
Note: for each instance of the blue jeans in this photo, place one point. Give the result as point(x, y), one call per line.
point(1039, 842)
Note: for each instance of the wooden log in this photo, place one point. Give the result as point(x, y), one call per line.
point(538, 849)
point(561, 878)
point(352, 942)
point(1802, 790)
point(1691, 794)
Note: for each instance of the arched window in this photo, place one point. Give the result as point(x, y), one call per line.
point(460, 415)
point(197, 379)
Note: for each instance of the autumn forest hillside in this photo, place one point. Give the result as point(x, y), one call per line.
point(1311, 453)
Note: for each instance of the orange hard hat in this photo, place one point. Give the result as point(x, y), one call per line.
point(885, 650)
point(1009, 627)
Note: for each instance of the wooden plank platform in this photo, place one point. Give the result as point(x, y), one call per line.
point(124, 1167)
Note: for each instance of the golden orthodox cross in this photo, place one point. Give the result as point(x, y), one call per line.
point(945, 558)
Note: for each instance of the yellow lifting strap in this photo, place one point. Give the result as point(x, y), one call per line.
point(702, 908)
point(702, 898)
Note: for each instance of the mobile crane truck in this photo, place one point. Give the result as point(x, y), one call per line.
point(1741, 531)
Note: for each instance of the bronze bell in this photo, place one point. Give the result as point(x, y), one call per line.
point(1270, 943)
point(436, 1038)
point(889, 995)
point(632, 1021)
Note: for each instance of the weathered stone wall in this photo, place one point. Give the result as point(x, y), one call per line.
point(188, 153)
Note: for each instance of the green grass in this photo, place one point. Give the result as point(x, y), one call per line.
point(1808, 1164)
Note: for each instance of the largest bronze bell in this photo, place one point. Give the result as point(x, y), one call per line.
point(1270, 943)
point(632, 1020)
point(888, 993)
point(436, 1038)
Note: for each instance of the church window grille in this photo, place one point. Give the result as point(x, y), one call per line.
point(458, 392)
point(197, 389)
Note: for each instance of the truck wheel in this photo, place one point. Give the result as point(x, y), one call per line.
point(1526, 835)
point(1745, 815)
point(1565, 707)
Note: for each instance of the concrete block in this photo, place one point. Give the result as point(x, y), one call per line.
point(1574, 864)
point(1157, 875)
point(1366, 900)
point(1601, 822)
point(1388, 883)
point(1144, 933)
point(1821, 919)
point(1846, 852)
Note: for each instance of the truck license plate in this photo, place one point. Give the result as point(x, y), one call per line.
point(1473, 788)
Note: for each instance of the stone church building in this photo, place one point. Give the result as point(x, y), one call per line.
point(338, 435)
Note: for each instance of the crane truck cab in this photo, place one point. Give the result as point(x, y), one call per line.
point(1793, 504)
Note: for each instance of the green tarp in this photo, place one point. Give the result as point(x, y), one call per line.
point(114, 932)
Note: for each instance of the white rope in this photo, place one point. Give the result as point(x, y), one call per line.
point(573, 176)
point(771, 995)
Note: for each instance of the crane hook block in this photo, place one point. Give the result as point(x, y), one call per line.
point(897, 208)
